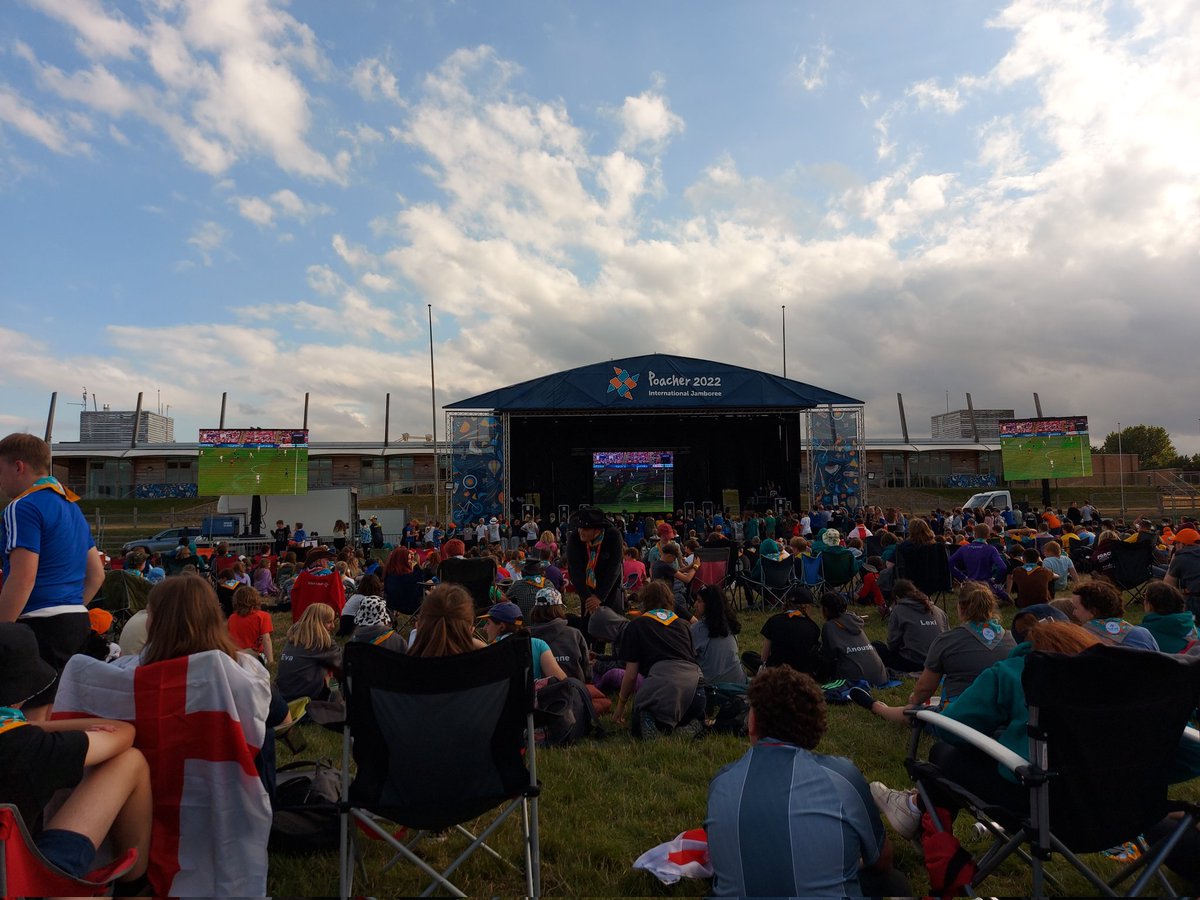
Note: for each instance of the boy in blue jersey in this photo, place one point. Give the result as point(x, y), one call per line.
point(50, 562)
point(784, 821)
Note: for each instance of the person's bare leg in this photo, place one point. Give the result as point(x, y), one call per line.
point(889, 713)
point(38, 713)
point(114, 796)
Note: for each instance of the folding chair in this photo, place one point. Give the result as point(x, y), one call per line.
point(122, 594)
point(476, 574)
point(1091, 785)
point(1081, 558)
point(809, 570)
point(777, 581)
point(928, 567)
point(1131, 567)
point(839, 568)
point(439, 741)
point(873, 545)
point(714, 566)
point(24, 872)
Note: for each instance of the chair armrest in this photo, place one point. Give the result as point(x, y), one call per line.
point(968, 735)
point(1192, 735)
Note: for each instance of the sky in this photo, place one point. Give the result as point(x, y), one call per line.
point(262, 198)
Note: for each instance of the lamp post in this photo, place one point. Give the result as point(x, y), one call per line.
point(437, 469)
point(783, 312)
point(1121, 468)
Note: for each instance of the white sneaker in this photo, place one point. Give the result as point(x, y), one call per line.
point(897, 809)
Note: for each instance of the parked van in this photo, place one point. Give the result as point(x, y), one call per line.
point(1001, 500)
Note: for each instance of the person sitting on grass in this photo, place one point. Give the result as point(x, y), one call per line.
point(1168, 620)
point(913, 623)
point(1060, 565)
point(714, 638)
point(548, 622)
point(658, 645)
point(95, 759)
point(370, 586)
point(506, 619)
point(846, 652)
point(785, 821)
point(956, 657)
point(1098, 605)
point(1032, 582)
point(373, 625)
point(869, 591)
point(310, 657)
point(790, 638)
point(445, 623)
point(249, 626)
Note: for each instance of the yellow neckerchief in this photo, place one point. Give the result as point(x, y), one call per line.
point(49, 483)
point(661, 616)
point(11, 718)
point(796, 613)
point(383, 637)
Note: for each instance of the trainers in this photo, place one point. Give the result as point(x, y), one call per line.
point(693, 729)
point(897, 809)
point(649, 727)
point(862, 697)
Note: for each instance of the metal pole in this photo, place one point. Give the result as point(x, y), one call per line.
point(50, 417)
point(784, 313)
point(306, 410)
point(971, 414)
point(224, 397)
point(1121, 467)
point(437, 486)
point(1037, 404)
point(903, 431)
point(387, 416)
point(137, 418)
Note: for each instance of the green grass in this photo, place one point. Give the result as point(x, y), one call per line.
point(605, 802)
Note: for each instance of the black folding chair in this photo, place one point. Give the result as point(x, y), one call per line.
point(1105, 727)
point(839, 568)
point(1081, 558)
point(775, 582)
point(1131, 567)
point(438, 742)
point(476, 574)
point(928, 567)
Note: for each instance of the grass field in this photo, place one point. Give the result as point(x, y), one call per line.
point(1065, 456)
point(258, 470)
point(605, 802)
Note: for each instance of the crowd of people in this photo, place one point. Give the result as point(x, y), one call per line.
point(650, 637)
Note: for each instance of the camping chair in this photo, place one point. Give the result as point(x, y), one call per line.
point(1131, 565)
point(1091, 786)
point(777, 581)
point(24, 872)
point(122, 594)
point(714, 566)
point(839, 568)
point(439, 741)
point(809, 570)
point(1081, 558)
point(476, 574)
point(928, 567)
point(873, 545)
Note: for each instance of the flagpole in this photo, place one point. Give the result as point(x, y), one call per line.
point(437, 505)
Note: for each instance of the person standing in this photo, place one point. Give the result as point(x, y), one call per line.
point(280, 537)
point(50, 562)
point(595, 563)
point(376, 534)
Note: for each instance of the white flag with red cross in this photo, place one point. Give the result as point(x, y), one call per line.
point(200, 722)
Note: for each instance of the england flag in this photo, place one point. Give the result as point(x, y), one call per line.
point(200, 722)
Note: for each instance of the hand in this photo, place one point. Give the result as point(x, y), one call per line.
point(591, 604)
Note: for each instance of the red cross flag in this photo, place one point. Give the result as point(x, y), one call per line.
point(200, 722)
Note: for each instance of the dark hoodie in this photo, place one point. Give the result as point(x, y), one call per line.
point(848, 654)
point(1173, 631)
point(912, 628)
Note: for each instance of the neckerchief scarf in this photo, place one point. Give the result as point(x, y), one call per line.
point(661, 616)
point(1111, 631)
point(593, 551)
point(989, 633)
point(11, 718)
point(49, 483)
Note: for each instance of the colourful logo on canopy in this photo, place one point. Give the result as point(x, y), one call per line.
point(622, 383)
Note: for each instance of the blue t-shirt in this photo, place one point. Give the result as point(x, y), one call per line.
point(539, 647)
point(785, 822)
point(46, 523)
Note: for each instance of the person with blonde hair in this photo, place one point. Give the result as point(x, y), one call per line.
point(310, 657)
point(1060, 564)
point(445, 623)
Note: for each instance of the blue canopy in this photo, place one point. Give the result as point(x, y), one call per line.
point(655, 381)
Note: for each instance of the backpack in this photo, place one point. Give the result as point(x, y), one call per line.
point(306, 816)
point(732, 709)
point(563, 712)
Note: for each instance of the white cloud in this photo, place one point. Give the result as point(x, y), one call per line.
point(283, 203)
point(17, 113)
point(207, 238)
point(221, 80)
point(355, 257)
point(811, 67)
point(929, 94)
point(648, 121)
point(379, 283)
point(372, 77)
point(257, 210)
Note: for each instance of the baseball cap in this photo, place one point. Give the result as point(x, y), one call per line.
point(547, 597)
point(506, 613)
point(1187, 536)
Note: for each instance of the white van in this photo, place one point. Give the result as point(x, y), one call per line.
point(1001, 500)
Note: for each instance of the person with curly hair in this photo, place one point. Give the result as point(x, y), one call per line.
point(785, 821)
point(1098, 605)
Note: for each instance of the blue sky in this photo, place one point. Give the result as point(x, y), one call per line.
point(262, 197)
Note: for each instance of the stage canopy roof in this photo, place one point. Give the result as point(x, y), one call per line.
point(654, 382)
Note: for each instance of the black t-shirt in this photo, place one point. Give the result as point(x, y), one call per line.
point(645, 642)
point(663, 571)
point(46, 761)
point(795, 639)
